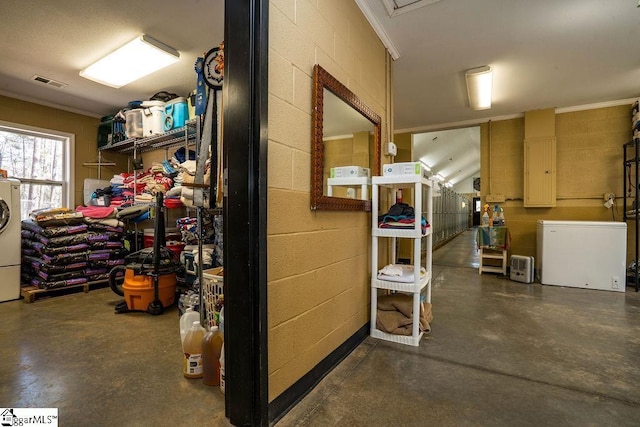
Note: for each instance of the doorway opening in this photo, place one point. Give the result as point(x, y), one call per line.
point(452, 158)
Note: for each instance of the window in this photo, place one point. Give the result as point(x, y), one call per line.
point(43, 162)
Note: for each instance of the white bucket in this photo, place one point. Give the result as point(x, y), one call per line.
point(153, 117)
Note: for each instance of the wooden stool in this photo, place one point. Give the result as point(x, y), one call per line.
point(488, 252)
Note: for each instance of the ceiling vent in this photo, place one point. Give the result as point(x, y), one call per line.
point(398, 7)
point(49, 82)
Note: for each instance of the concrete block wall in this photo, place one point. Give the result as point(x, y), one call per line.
point(318, 262)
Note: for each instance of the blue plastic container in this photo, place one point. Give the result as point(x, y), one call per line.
point(176, 113)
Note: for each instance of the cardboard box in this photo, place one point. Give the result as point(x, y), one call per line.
point(406, 168)
point(350, 172)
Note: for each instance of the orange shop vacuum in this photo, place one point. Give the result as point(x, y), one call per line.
point(149, 275)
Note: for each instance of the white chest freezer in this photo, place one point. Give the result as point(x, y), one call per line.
point(582, 254)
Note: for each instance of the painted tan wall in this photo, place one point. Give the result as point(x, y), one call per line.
point(353, 151)
point(589, 164)
point(84, 128)
point(318, 262)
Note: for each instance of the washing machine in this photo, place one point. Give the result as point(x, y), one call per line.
point(10, 241)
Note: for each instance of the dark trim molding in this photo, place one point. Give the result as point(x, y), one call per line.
point(291, 396)
point(245, 210)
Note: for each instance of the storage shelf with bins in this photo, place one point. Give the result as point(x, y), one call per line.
point(422, 271)
point(185, 136)
point(173, 138)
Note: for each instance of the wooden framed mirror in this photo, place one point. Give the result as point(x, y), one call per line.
point(345, 134)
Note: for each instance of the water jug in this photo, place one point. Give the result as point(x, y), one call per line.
point(186, 320)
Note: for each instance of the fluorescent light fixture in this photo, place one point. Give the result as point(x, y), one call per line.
point(440, 177)
point(479, 82)
point(136, 59)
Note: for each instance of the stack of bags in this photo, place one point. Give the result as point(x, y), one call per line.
point(105, 254)
point(65, 248)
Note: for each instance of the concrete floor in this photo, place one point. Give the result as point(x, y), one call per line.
point(99, 368)
point(500, 353)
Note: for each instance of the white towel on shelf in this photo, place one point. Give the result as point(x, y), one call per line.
point(405, 277)
point(189, 166)
point(391, 270)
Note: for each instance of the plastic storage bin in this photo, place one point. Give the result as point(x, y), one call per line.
point(110, 130)
point(133, 123)
point(176, 113)
point(153, 117)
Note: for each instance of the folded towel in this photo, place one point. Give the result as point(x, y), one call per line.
point(175, 191)
point(391, 270)
point(97, 211)
point(406, 275)
point(189, 166)
point(395, 314)
point(187, 193)
point(187, 178)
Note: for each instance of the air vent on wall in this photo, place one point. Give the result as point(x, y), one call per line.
point(398, 7)
point(48, 81)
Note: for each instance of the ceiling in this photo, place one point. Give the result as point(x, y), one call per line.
point(544, 53)
point(454, 154)
point(57, 39)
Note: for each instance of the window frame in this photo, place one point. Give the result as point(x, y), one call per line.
point(68, 157)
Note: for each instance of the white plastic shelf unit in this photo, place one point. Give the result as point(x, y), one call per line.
point(362, 182)
point(422, 206)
